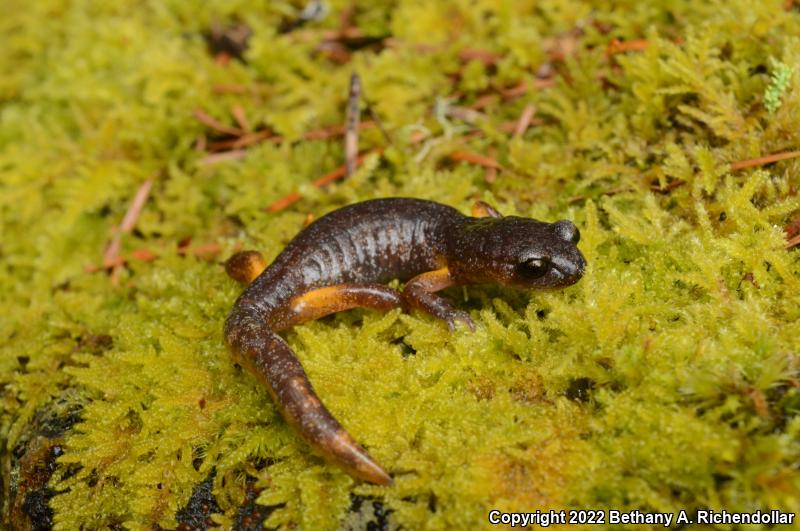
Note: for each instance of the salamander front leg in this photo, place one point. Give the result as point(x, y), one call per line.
point(482, 209)
point(325, 301)
point(419, 292)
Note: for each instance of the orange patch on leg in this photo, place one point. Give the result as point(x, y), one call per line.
point(245, 266)
point(331, 299)
point(482, 209)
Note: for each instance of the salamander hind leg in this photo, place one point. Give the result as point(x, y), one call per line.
point(419, 292)
point(325, 301)
point(245, 266)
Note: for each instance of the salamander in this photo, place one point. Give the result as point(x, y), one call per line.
point(342, 260)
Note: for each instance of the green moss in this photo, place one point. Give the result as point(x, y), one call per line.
point(779, 83)
point(682, 332)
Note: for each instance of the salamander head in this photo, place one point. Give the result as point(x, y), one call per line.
point(518, 252)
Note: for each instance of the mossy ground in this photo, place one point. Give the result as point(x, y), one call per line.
point(666, 379)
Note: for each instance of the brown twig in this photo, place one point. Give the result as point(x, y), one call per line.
point(328, 178)
point(475, 158)
point(267, 135)
point(670, 186)
point(791, 243)
point(617, 46)
point(201, 143)
point(523, 87)
point(127, 225)
point(335, 51)
point(792, 229)
point(241, 118)
point(484, 101)
point(201, 250)
point(245, 140)
point(229, 88)
point(524, 120)
point(759, 401)
point(131, 216)
point(143, 255)
point(761, 161)
point(511, 127)
point(146, 255)
point(736, 166)
point(353, 117)
point(473, 54)
point(328, 35)
point(491, 172)
point(333, 131)
point(209, 121)
point(465, 114)
point(224, 156)
point(417, 136)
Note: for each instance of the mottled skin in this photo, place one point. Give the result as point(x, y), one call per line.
point(342, 260)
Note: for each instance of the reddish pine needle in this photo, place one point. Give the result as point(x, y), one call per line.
point(670, 186)
point(474, 54)
point(794, 241)
point(127, 225)
point(475, 158)
point(484, 101)
point(209, 121)
point(229, 88)
point(334, 131)
point(524, 87)
point(328, 178)
point(268, 136)
point(146, 255)
point(491, 172)
point(292, 197)
point(223, 156)
point(524, 120)
point(201, 250)
point(617, 46)
point(793, 228)
point(759, 401)
point(761, 161)
point(241, 118)
point(245, 140)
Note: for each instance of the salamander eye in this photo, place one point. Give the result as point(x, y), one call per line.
point(534, 268)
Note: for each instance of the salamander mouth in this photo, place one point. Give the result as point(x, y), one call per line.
point(568, 272)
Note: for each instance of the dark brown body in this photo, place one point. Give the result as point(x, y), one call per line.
point(342, 260)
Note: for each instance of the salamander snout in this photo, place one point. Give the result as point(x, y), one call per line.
point(569, 267)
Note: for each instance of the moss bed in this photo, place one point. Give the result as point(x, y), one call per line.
point(666, 379)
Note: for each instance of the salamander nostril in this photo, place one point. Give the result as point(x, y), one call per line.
point(567, 231)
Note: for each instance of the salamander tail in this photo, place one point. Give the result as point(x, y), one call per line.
point(268, 356)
